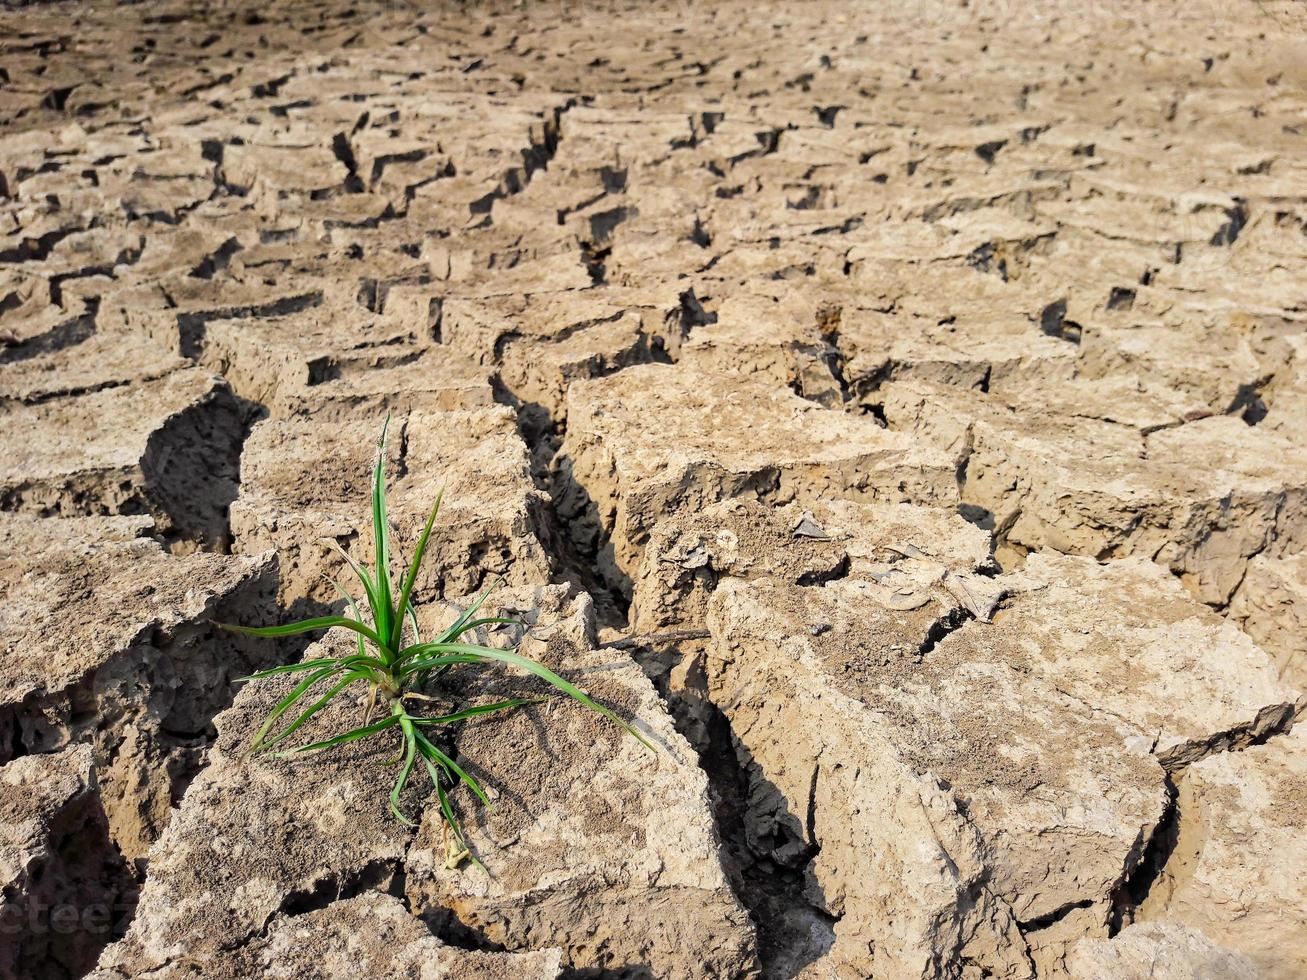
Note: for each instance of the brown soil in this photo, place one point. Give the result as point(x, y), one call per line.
point(900, 412)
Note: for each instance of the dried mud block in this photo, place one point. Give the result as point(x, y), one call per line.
point(1158, 951)
point(781, 338)
point(993, 242)
point(1051, 728)
point(690, 553)
point(946, 800)
point(273, 360)
point(1126, 638)
point(1128, 401)
point(109, 639)
point(611, 856)
point(795, 358)
point(368, 935)
point(1239, 872)
point(63, 886)
point(1209, 364)
point(513, 267)
point(1285, 399)
point(305, 481)
point(167, 448)
point(490, 263)
point(1248, 490)
point(542, 342)
point(541, 372)
point(31, 325)
point(194, 304)
point(106, 359)
point(654, 440)
point(370, 384)
point(255, 837)
point(285, 167)
point(966, 348)
point(1201, 498)
point(1271, 607)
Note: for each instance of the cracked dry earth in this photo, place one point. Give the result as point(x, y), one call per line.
point(898, 410)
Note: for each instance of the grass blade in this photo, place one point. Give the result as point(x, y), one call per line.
point(369, 587)
point(459, 627)
point(431, 752)
point(450, 819)
point(350, 736)
point(445, 808)
point(444, 661)
point(353, 606)
point(526, 663)
point(313, 664)
point(410, 754)
point(411, 576)
point(285, 703)
point(303, 626)
point(315, 707)
point(482, 709)
point(485, 621)
point(383, 613)
point(413, 618)
point(362, 660)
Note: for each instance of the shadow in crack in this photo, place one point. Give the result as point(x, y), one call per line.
point(766, 852)
point(81, 896)
point(568, 523)
point(586, 549)
point(192, 471)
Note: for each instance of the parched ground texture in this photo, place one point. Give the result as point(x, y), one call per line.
point(897, 410)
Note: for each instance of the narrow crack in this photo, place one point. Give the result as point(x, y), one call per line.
point(1052, 918)
point(535, 157)
point(950, 622)
point(382, 874)
point(567, 541)
point(1135, 887)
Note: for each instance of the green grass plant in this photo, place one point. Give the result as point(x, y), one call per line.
point(400, 670)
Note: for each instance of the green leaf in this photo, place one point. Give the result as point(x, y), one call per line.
point(410, 753)
point(481, 709)
point(412, 573)
point(431, 752)
point(316, 706)
point(284, 704)
point(445, 808)
point(304, 626)
point(486, 621)
point(313, 664)
point(383, 612)
point(459, 627)
point(353, 606)
point(369, 587)
point(363, 660)
point(413, 618)
point(419, 666)
point(525, 663)
point(350, 736)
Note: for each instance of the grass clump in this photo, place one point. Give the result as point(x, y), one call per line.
point(399, 669)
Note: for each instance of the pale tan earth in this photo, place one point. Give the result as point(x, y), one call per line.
point(898, 413)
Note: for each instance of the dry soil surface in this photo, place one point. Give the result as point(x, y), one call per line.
point(896, 410)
